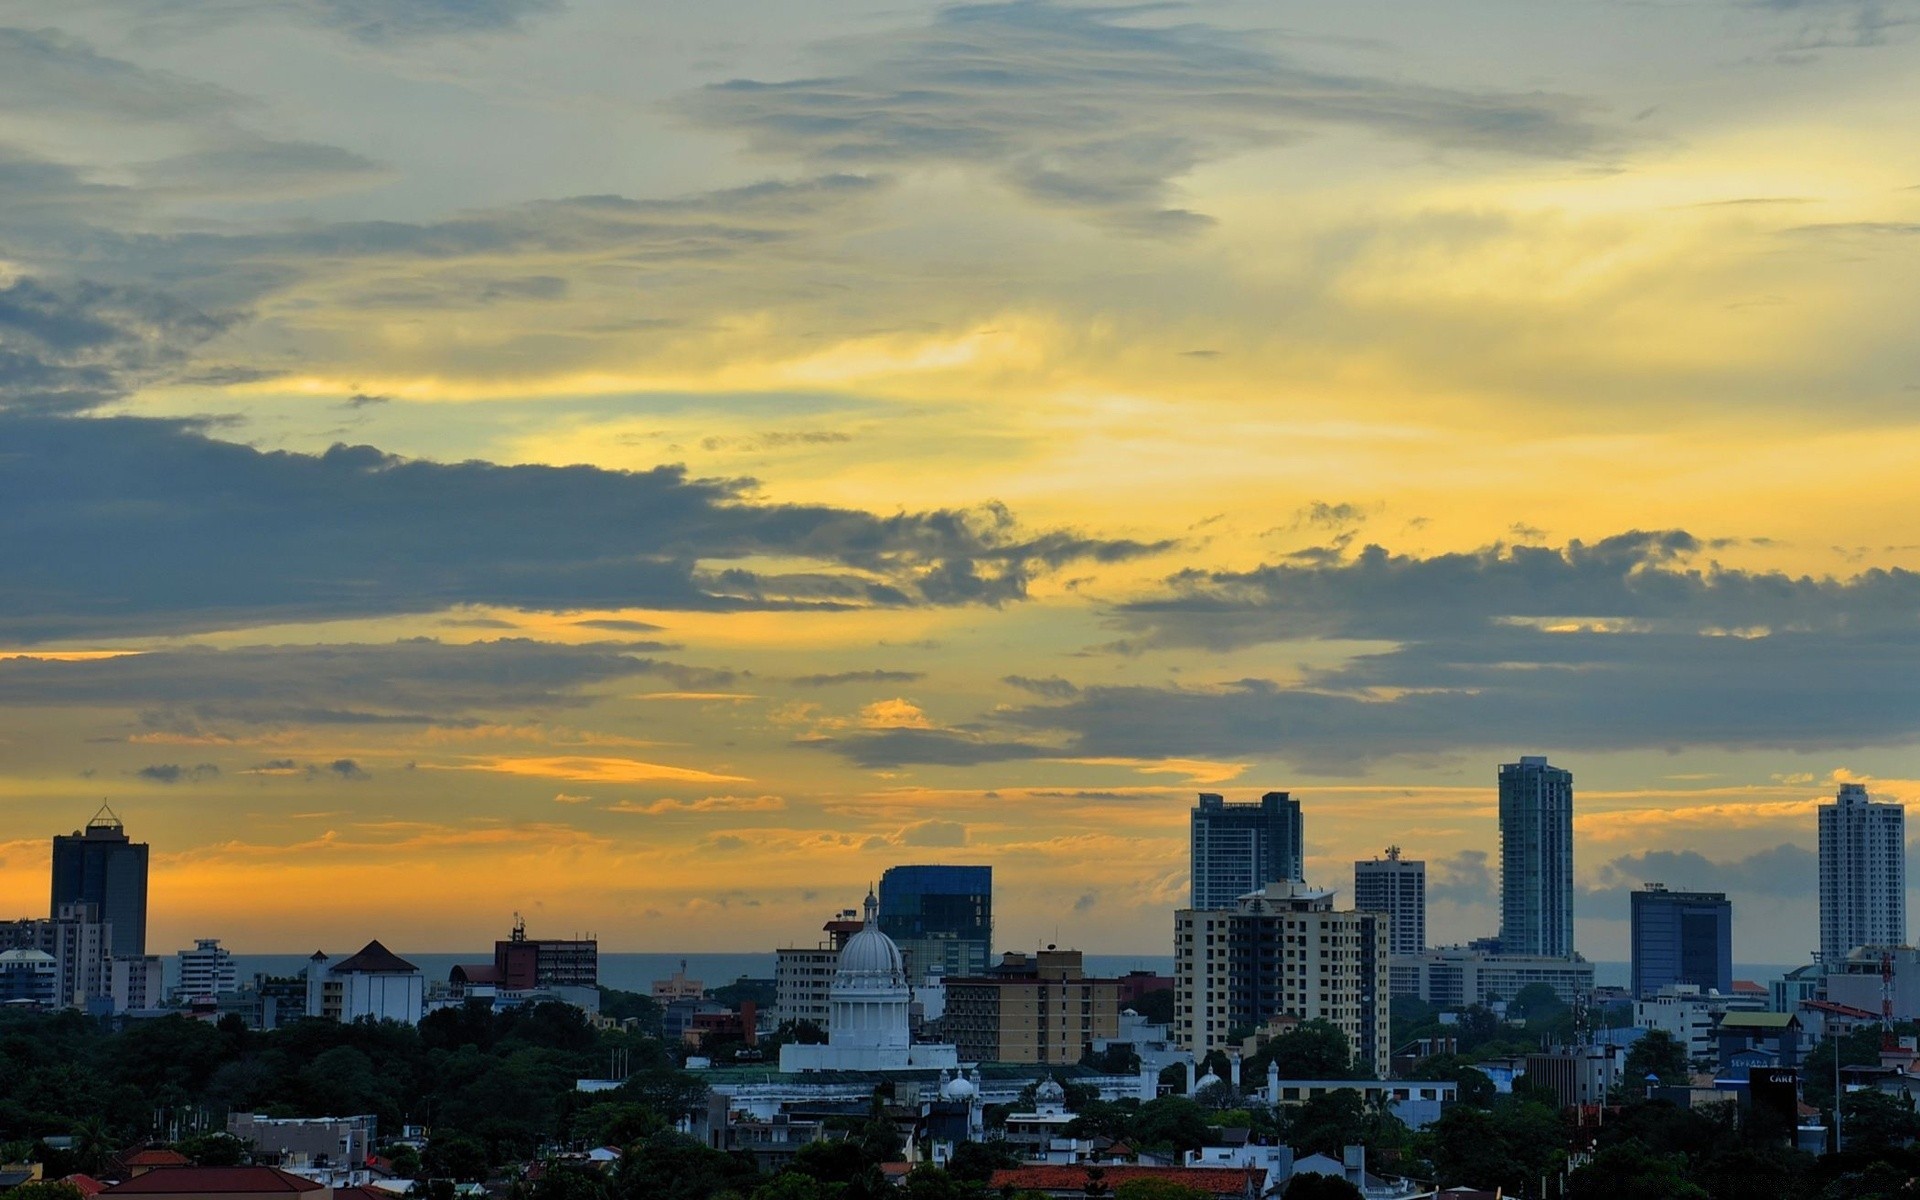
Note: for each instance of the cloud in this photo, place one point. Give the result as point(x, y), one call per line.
point(124, 525)
point(372, 22)
point(1786, 871)
point(726, 804)
point(1052, 687)
point(1462, 878)
point(841, 677)
point(47, 71)
point(347, 768)
point(927, 747)
point(586, 769)
point(174, 773)
point(1098, 111)
point(73, 346)
point(934, 833)
point(894, 714)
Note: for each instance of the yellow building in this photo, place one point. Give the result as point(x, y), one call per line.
point(1038, 1009)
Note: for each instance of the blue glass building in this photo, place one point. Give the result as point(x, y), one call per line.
point(1681, 937)
point(941, 917)
point(99, 866)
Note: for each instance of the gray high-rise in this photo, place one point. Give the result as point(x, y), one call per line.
point(1241, 848)
point(1398, 887)
point(99, 866)
point(1536, 858)
point(1863, 873)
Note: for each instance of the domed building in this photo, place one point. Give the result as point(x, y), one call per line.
point(868, 1028)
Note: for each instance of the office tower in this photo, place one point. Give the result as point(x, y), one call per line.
point(101, 867)
point(1281, 950)
point(1863, 873)
point(1536, 858)
point(1241, 848)
point(1681, 937)
point(940, 917)
point(1398, 887)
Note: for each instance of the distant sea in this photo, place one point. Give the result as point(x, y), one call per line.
point(636, 972)
point(630, 972)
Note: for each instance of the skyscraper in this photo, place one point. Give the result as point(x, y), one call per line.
point(1241, 848)
point(101, 867)
point(1863, 873)
point(1398, 887)
point(1536, 858)
point(1681, 937)
point(941, 917)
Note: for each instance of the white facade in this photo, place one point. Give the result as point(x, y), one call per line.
point(1398, 887)
point(1457, 977)
point(374, 984)
point(868, 1023)
point(1689, 1014)
point(29, 977)
point(79, 942)
point(137, 982)
point(1863, 873)
point(206, 970)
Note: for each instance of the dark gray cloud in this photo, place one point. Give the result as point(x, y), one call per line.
point(122, 525)
point(72, 346)
point(346, 768)
point(1834, 24)
point(1462, 878)
point(1052, 687)
point(170, 773)
point(888, 748)
point(1500, 650)
point(47, 71)
point(1098, 110)
point(1785, 870)
point(416, 681)
point(840, 677)
point(372, 22)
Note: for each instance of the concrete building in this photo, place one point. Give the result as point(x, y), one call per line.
point(678, 987)
point(1861, 978)
point(206, 970)
point(1863, 873)
point(30, 979)
point(331, 1148)
point(868, 1025)
point(79, 943)
point(375, 984)
point(1397, 887)
point(101, 867)
point(1281, 949)
point(1536, 858)
point(566, 968)
point(136, 983)
point(1581, 1076)
point(1240, 848)
point(941, 917)
point(1690, 1014)
point(1680, 937)
point(803, 975)
point(1455, 977)
point(1038, 1009)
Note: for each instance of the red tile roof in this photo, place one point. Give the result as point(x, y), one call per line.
point(213, 1181)
point(373, 957)
point(361, 1193)
point(154, 1158)
point(86, 1185)
point(1217, 1181)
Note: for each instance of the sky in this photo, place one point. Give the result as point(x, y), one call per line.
point(653, 467)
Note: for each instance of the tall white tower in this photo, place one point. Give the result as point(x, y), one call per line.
point(1863, 873)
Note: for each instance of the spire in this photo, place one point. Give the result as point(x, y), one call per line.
point(873, 907)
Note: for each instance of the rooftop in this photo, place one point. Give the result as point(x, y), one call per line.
point(373, 959)
point(213, 1181)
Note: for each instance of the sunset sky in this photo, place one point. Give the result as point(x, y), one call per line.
point(655, 466)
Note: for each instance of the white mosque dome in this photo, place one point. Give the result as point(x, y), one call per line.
point(1049, 1090)
point(957, 1089)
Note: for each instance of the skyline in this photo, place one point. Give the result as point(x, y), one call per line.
point(452, 470)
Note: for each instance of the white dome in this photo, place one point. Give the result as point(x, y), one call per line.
point(1049, 1090)
point(870, 959)
point(957, 1089)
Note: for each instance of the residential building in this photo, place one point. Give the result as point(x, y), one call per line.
point(678, 987)
point(1680, 937)
point(1863, 873)
point(101, 867)
point(1581, 1076)
point(1417, 1102)
point(1867, 975)
point(375, 983)
point(136, 983)
point(1397, 887)
point(941, 917)
point(1798, 986)
point(1536, 858)
point(1031, 1009)
point(206, 970)
point(803, 975)
point(1691, 1014)
point(1135, 984)
point(314, 1146)
point(1241, 848)
point(1455, 977)
point(80, 944)
point(30, 978)
point(1281, 949)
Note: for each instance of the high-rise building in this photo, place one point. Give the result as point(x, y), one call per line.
point(206, 970)
point(940, 917)
point(99, 866)
point(1536, 858)
point(1681, 937)
point(1398, 887)
point(79, 943)
point(1282, 949)
point(1863, 873)
point(1241, 848)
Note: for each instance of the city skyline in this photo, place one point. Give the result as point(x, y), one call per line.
point(451, 471)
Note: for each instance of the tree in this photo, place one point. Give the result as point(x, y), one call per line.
point(568, 1182)
point(1657, 1053)
point(1876, 1121)
point(1630, 1171)
point(1476, 1088)
point(1156, 1006)
point(1321, 1187)
point(216, 1149)
point(45, 1189)
point(451, 1156)
point(1536, 1001)
point(1170, 1123)
point(791, 1185)
point(975, 1162)
point(1158, 1189)
point(673, 1166)
point(404, 1159)
point(1311, 1050)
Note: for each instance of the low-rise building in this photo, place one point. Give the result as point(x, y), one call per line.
point(1580, 1076)
point(1459, 976)
point(137, 983)
point(1691, 1016)
point(226, 1183)
point(1031, 1009)
point(334, 1149)
point(678, 987)
point(29, 979)
point(375, 983)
